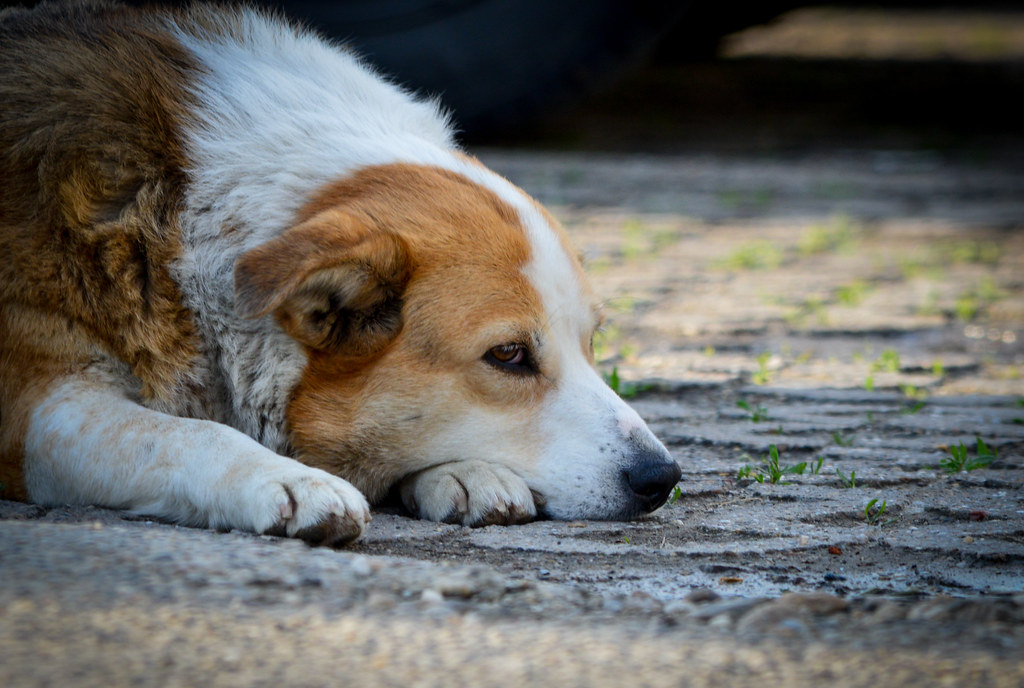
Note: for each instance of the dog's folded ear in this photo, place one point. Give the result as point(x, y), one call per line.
point(333, 283)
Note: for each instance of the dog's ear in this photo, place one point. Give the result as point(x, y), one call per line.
point(332, 283)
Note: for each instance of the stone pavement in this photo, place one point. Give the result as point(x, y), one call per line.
point(863, 313)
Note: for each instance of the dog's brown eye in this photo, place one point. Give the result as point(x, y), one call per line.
point(510, 357)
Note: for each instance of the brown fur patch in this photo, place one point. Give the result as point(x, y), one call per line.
point(92, 100)
point(466, 294)
point(334, 284)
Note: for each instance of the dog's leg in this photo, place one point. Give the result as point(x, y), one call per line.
point(88, 443)
point(473, 493)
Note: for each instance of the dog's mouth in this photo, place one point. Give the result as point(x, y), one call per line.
point(641, 490)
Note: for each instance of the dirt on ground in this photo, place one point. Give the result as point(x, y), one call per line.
point(829, 339)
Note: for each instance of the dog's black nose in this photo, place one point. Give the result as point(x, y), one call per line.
point(652, 481)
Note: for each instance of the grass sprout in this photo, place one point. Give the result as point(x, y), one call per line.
point(959, 461)
point(771, 470)
point(762, 375)
point(850, 481)
point(757, 413)
point(677, 492)
point(872, 513)
point(841, 439)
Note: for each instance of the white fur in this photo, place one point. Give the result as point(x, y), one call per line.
point(190, 471)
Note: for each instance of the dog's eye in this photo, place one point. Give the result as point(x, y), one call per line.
point(513, 358)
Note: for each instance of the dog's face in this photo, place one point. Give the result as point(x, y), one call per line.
point(446, 321)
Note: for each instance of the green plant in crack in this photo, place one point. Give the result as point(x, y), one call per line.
point(643, 241)
point(873, 514)
point(913, 408)
point(762, 375)
point(754, 255)
point(677, 492)
point(969, 304)
point(839, 234)
point(842, 440)
point(959, 461)
point(810, 307)
point(771, 470)
point(852, 294)
point(969, 251)
point(626, 390)
point(887, 362)
point(850, 481)
point(912, 392)
point(757, 413)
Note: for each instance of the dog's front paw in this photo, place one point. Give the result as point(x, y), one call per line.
point(472, 493)
point(306, 503)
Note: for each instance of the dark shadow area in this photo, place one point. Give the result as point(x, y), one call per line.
point(777, 105)
point(927, 78)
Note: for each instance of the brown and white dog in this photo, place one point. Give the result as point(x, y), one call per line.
point(245, 282)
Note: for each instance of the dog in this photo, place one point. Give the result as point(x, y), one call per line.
point(248, 283)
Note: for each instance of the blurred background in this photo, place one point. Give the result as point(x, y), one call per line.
point(664, 76)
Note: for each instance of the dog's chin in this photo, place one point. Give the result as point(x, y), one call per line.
point(626, 510)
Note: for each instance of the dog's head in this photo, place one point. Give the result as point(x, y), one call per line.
point(447, 319)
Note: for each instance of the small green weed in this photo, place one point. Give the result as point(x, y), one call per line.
point(970, 302)
point(913, 408)
point(613, 380)
point(812, 307)
point(912, 392)
point(816, 467)
point(848, 482)
point(756, 255)
point(958, 461)
point(677, 492)
point(887, 362)
point(762, 376)
point(626, 390)
point(640, 240)
point(977, 252)
point(842, 440)
point(838, 235)
point(873, 514)
point(757, 413)
point(852, 294)
point(771, 471)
